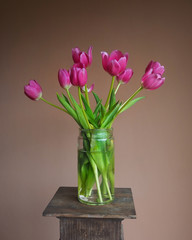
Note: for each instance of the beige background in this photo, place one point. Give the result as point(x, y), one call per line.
point(153, 139)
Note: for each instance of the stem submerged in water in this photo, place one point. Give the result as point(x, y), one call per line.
point(95, 170)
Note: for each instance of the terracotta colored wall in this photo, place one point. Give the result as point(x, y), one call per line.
point(153, 139)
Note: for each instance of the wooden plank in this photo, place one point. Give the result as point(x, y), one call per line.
point(65, 204)
point(90, 229)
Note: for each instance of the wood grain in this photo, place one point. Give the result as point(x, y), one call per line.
point(65, 204)
point(79, 221)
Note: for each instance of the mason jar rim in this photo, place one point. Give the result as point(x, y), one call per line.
point(97, 133)
point(96, 129)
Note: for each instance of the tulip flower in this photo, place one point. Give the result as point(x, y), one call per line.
point(115, 63)
point(152, 79)
point(33, 90)
point(83, 58)
point(125, 76)
point(155, 67)
point(78, 76)
point(64, 78)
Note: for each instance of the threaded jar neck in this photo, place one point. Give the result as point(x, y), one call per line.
point(97, 133)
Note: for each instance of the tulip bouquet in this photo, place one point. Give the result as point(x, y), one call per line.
point(96, 160)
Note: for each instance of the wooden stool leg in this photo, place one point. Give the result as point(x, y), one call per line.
point(122, 232)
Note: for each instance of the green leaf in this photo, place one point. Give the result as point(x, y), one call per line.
point(97, 109)
point(131, 103)
point(87, 108)
point(89, 112)
point(69, 109)
point(109, 112)
point(97, 99)
point(67, 100)
point(110, 115)
point(98, 119)
point(79, 113)
point(112, 99)
point(103, 111)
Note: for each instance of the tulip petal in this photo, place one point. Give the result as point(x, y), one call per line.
point(114, 68)
point(64, 78)
point(89, 53)
point(156, 66)
point(122, 62)
point(148, 81)
point(76, 54)
point(153, 81)
point(156, 84)
point(125, 76)
point(82, 77)
point(73, 76)
point(149, 66)
point(77, 65)
point(115, 55)
point(105, 60)
point(126, 55)
point(89, 89)
point(84, 59)
point(33, 90)
point(149, 72)
point(159, 70)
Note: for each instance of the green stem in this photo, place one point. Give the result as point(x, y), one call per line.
point(83, 110)
point(125, 103)
point(110, 91)
point(107, 186)
point(95, 170)
point(70, 98)
point(86, 95)
point(53, 105)
point(128, 100)
point(111, 179)
point(117, 87)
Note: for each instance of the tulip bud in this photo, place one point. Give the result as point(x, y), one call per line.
point(79, 57)
point(64, 78)
point(152, 79)
point(33, 90)
point(125, 76)
point(156, 68)
point(76, 54)
point(78, 76)
point(115, 63)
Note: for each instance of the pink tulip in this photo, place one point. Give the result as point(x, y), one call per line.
point(88, 89)
point(125, 76)
point(64, 78)
point(115, 63)
point(155, 67)
point(78, 76)
point(83, 58)
point(33, 90)
point(152, 79)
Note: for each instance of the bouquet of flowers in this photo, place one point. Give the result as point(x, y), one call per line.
point(96, 159)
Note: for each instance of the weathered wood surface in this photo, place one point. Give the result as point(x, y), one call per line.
point(90, 229)
point(65, 204)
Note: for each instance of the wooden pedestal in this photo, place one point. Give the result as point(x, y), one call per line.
point(83, 222)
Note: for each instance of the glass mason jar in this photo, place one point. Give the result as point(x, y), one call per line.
point(96, 166)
